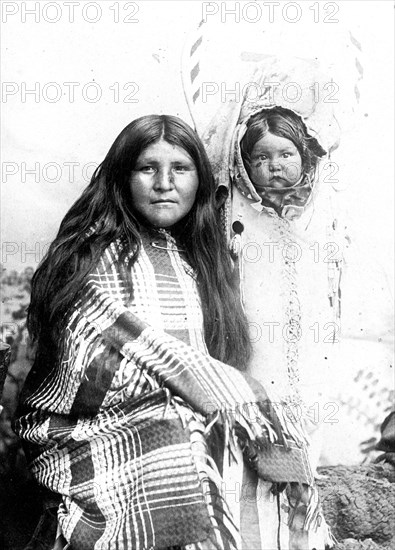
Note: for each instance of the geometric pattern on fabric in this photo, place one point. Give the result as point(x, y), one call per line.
point(111, 418)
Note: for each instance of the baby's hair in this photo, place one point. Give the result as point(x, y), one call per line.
point(287, 124)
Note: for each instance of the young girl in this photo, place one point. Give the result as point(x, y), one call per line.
point(132, 415)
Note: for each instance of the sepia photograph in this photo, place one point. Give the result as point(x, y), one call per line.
point(197, 275)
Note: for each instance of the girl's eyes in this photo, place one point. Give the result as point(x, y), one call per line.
point(152, 169)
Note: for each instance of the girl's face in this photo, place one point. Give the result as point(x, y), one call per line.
point(163, 184)
point(275, 162)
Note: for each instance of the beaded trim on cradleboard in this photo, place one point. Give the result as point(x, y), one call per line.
point(282, 222)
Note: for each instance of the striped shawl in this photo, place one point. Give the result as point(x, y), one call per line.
point(133, 424)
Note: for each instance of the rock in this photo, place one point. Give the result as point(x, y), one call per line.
point(358, 504)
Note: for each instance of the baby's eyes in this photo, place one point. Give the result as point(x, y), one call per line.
point(285, 155)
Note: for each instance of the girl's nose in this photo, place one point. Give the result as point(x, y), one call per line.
point(164, 180)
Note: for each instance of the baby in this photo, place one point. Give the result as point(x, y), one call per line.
point(280, 158)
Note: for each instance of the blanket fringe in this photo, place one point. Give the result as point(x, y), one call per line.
point(315, 520)
point(291, 423)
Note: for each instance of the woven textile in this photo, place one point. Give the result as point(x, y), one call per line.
point(120, 426)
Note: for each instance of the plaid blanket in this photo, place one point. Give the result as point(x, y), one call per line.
point(126, 426)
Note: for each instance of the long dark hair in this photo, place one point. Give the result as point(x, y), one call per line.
point(284, 123)
point(106, 206)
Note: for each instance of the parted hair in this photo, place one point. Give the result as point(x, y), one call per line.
point(106, 206)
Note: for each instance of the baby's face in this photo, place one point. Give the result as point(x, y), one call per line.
point(275, 162)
